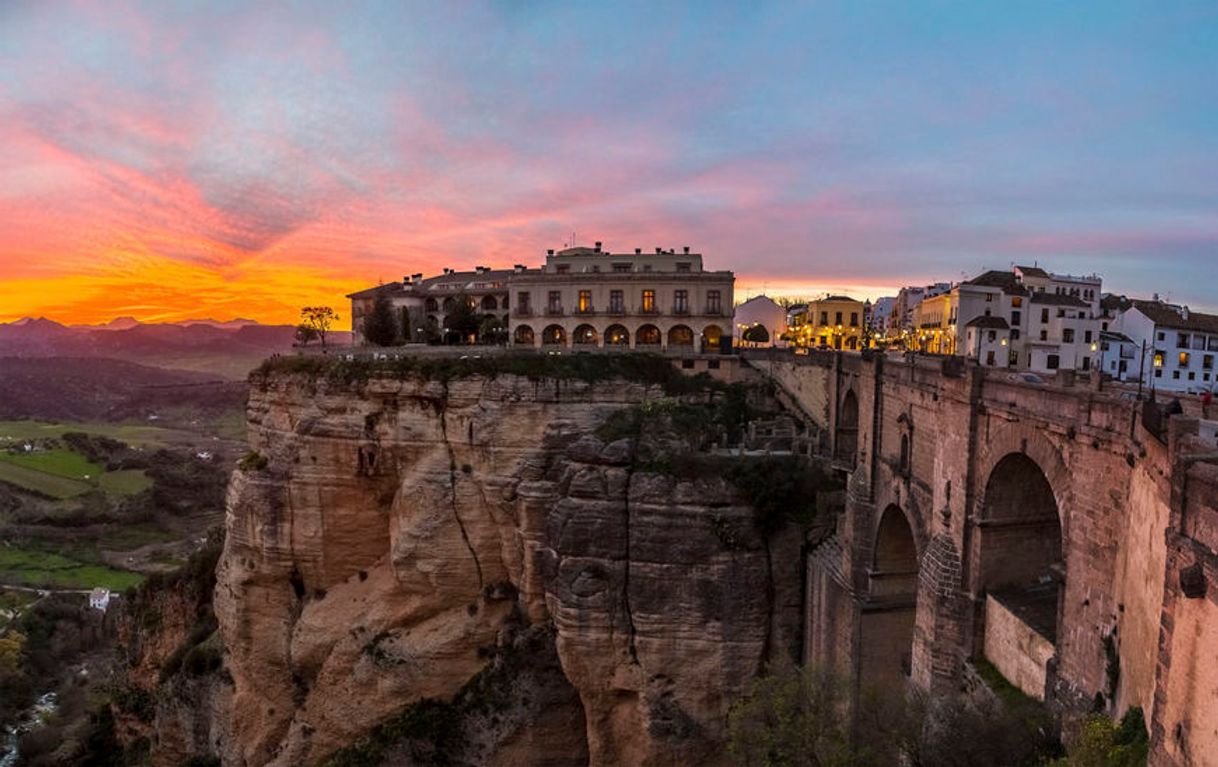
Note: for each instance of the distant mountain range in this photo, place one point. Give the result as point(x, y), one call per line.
point(223, 349)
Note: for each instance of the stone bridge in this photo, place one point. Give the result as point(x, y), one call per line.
point(1038, 525)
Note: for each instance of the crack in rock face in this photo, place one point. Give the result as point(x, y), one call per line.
point(354, 585)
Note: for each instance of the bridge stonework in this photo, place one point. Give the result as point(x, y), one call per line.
point(966, 485)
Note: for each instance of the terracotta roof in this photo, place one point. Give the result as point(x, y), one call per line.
point(1110, 302)
point(1110, 335)
point(388, 287)
point(1033, 271)
point(998, 279)
point(1169, 316)
point(990, 323)
point(1057, 299)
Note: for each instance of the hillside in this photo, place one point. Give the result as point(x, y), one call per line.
point(221, 349)
point(100, 389)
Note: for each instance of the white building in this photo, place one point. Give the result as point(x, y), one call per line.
point(585, 298)
point(877, 318)
point(99, 599)
point(1181, 345)
point(1050, 324)
point(763, 311)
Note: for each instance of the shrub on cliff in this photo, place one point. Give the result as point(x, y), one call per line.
point(650, 369)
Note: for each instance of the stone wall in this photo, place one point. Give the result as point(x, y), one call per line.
point(938, 440)
point(1184, 726)
point(1020, 654)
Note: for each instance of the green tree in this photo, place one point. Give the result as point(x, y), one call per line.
point(319, 319)
point(1102, 742)
point(793, 717)
point(491, 330)
point(757, 334)
point(463, 321)
point(12, 645)
point(305, 334)
point(380, 326)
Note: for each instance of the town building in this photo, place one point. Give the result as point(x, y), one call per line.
point(901, 318)
point(421, 305)
point(832, 322)
point(1170, 346)
point(99, 599)
point(760, 311)
point(1025, 318)
point(881, 311)
point(587, 298)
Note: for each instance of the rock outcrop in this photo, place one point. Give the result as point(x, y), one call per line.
point(389, 536)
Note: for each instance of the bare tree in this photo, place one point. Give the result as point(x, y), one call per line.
point(320, 319)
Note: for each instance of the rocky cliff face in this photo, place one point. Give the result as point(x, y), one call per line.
point(397, 541)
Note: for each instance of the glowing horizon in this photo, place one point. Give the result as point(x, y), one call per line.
point(173, 161)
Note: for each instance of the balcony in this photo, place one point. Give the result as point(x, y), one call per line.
point(616, 310)
point(680, 311)
point(713, 311)
point(649, 310)
point(585, 311)
point(554, 311)
point(522, 311)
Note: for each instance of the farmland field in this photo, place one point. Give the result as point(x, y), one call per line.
point(50, 485)
point(133, 434)
point(60, 462)
point(31, 567)
point(124, 482)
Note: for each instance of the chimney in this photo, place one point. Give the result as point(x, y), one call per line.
point(550, 252)
point(416, 277)
point(518, 268)
point(659, 250)
point(406, 280)
point(598, 246)
point(687, 250)
point(638, 251)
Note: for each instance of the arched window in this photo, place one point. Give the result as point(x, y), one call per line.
point(647, 335)
point(617, 335)
point(523, 335)
point(554, 335)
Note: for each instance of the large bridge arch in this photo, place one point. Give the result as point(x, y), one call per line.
point(886, 629)
point(1018, 556)
point(846, 433)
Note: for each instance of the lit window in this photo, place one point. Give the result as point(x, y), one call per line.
point(1158, 359)
point(1184, 358)
point(649, 300)
point(585, 301)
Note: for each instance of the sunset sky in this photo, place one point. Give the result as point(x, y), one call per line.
point(171, 160)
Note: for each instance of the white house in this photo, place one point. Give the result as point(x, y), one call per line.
point(99, 599)
point(764, 311)
point(1181, 345)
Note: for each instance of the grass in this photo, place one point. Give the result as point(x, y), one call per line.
point(125, 482)
point(130, 537)
point(651, 369)
point(42, 483)
point(133, 434)
point(31, 567)
point(59, 462)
